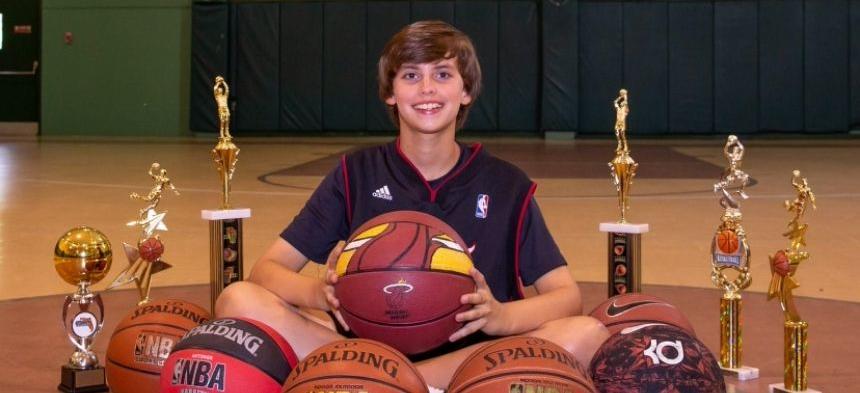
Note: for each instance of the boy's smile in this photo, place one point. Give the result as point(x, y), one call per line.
point(428, 96)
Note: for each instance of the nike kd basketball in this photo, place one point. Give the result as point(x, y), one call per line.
point(400, 279)
point(621, 311)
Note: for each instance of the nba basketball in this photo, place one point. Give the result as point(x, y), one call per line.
point(142, 341)
point(235, 355)
point(621, 311)
point(655, 358)
point(355, 365)
point(521, 364)
point(401, 276)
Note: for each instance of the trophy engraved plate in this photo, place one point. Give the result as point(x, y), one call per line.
point(625, 239)
point(783, 267)
point(225, 224)
point(82, 257)
point(730, 254)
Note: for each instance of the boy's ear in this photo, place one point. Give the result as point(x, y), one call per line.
point(390, 101)
point(467, 98)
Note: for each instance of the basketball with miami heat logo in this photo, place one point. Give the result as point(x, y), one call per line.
point(400, 279)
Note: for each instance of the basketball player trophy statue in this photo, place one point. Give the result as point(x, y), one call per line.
point(783, 267)
point(625, 273)
point(225, 224)
point(730, 252)
point(145, 259)
point(82, 257)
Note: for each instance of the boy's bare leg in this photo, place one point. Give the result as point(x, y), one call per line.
point(246, 299)
point(580, 335)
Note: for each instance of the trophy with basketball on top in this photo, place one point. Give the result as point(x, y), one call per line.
point(144, 259)
point(730, 252)
point(225, 223)
point(625, 239)
point(783, 267)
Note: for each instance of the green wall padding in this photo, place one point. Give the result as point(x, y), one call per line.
point(384, 19)
point(735, 67)
point(344, 51)
point(691, 67)
point(209, 55)
point(480, 21)
point(559, 66)
point(301, 66)
point(519, 66)
point(781, 65)
point(257, 67)
point(826, 72)
point(646, 71)
point(433, 10)
point(600, 65)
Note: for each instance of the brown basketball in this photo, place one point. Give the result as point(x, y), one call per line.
point(401, 276)
point(780, 263)
point(521, 364)
point(621, 311)
point(727, 241)
point(142, 341)
point(355, 365)
point(655, 358)
point(150, 249)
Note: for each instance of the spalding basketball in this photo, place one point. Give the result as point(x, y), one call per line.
point(655, 358)
point(401, 276)
point(521, 364)
point(621, 311)
point(235, 355)
point(355, 365)
point(142, 341)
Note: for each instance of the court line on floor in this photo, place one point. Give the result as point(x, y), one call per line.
point(686, 195)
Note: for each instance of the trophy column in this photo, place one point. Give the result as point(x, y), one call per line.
point(625, 239)
point(783, 267)
point(225, 224)
point(82, 257)
point(730, 252)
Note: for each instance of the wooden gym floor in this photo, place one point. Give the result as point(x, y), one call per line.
point(50, 185)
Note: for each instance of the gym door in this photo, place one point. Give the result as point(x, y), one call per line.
point(19, 62)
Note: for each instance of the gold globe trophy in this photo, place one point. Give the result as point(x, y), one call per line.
point(625, 239)
point(225, 224)
point(82, 257)
point(783, 267)
point(145, 259)
point(730, 252)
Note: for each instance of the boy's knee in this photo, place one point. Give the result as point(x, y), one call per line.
point(580, 335)
point(234, 298)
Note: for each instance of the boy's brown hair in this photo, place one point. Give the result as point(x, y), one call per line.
point(427, 42)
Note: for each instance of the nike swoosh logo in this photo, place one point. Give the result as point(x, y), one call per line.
point(614, 310)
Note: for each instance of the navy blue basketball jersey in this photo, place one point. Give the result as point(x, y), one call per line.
point(488, 201)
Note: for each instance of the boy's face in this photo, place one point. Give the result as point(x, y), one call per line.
point(428, 96)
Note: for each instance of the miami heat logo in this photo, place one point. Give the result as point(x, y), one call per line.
point(394, 293)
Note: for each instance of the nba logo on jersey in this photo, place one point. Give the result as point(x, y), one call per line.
point(482, 206)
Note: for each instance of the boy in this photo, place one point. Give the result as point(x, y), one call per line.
point(429, 76)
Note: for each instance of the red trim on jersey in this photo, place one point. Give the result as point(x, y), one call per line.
point(523, 211)
point(346, 189)
point(476, 147)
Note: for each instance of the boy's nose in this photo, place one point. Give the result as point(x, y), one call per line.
point(428, 86)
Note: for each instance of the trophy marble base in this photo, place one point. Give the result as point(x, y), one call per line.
point(780, 388)
point(742, 373)
point(73, 380)
point(624, 257)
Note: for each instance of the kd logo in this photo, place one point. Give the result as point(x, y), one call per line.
point(655, 352)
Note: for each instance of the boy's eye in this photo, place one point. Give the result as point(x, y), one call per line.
point(444, 75)
point(410, 75)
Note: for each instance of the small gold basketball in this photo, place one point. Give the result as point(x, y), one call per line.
point(82, 254)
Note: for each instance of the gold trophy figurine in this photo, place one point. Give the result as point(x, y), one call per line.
point(783, 267)
point(624, 238)
point(145, 259)
point(730, 252)
point(82, 257)
point(225, 224)
point(225, 154)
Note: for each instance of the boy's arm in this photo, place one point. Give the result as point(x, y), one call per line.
point(278, 271)
point(558, 297)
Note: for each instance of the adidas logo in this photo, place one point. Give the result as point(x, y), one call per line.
point(383, 193)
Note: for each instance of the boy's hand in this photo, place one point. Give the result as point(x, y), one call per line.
point(485, 313)
point(330, 280)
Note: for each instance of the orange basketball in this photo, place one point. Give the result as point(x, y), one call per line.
point(355, 365)
point(780, 263)
point(142, 341)
point(727, 241)
point(521, 364)
point(622, 311)
point(401, 276)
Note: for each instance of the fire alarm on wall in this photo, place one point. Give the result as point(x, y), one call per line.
point(68, 38)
